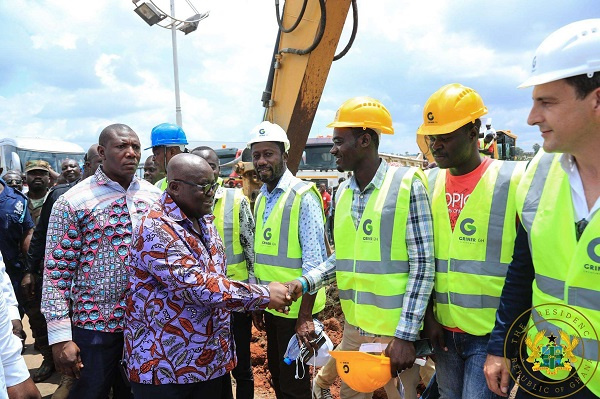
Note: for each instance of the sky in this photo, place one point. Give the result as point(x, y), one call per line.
point(69, 68)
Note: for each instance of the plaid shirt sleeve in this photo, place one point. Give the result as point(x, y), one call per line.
point(322, 275)
point(419, 242)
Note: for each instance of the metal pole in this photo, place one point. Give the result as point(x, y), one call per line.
point(176, 69)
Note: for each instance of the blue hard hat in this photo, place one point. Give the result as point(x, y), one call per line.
point(167, 134)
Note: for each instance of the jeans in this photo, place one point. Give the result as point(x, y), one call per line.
point(100, 354)
point(197, 390)
point(241, 325)
point(410, 378)
point(459, 371)
point(279, 331)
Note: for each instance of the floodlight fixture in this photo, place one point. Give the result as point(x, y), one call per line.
point(149, 13)
point(191, 24)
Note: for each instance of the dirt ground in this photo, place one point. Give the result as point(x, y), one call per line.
point(333, 320)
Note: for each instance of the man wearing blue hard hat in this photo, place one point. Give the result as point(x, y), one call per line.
point(168, 140)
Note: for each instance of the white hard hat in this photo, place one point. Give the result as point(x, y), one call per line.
point(572, 50)
point(267, 131)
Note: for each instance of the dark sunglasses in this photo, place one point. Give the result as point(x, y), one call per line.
point(15, 182)
point(206, 188)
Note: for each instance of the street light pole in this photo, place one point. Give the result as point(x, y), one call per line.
point(152, 15)
point(178, 117)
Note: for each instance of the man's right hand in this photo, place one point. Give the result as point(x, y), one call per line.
point(279, 297)
point(67, 359)
point(434, 331)
point(28, 286)
point(295, 289)
point(496, 374)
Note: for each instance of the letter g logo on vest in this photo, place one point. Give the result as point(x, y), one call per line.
point(591, 250)
point(267, 234)
point(367, 227)
point(467, 227)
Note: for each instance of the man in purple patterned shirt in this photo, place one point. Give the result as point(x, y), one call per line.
point(87, 248)
point(178, 336)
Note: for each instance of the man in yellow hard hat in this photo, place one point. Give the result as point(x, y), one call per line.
point(555, 273)
point(383, 260)
point(473, 207)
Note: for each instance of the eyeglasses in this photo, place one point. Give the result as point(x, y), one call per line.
point(14, 182)
point(206, 188)
point(580, 227)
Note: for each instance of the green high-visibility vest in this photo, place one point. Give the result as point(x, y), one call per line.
point(162, 184)
point(372, 260)
point(277, 252)
point(227, 221)
point(567, 271)
point(471, 261)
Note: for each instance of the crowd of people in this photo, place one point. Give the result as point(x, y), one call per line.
point(149, 288)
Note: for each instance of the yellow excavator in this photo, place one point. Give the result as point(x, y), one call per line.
point(308, 36)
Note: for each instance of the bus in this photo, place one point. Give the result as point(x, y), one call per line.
point(15, 152)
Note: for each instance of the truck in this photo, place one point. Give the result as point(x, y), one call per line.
point(15, 152)
point(317, 164)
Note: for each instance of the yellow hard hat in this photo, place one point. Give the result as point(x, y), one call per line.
point(450, 108)
point(365, 112)
point(362, 371)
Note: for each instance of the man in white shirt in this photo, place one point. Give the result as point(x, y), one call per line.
point(15, 381)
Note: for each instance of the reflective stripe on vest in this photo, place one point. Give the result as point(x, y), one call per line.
point(368, 302)
point(567, 270)
point(472, 259)
point(227, 220)
point(277, 251)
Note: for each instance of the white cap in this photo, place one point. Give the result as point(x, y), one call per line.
point(267, 131)
point(572, 50)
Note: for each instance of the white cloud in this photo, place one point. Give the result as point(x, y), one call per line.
point(71, 68)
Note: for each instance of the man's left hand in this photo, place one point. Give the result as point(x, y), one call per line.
point(402, 355)
point(18, 329)
point(305, 331)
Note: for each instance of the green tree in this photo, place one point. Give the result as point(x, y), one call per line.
point(519, 152)
point(536, 148)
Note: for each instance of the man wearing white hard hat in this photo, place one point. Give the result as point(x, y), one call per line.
point(288, 241)
point(552, 286)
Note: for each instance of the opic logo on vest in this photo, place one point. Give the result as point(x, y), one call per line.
point(549, 341)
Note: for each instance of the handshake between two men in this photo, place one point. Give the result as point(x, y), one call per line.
point(281, 295)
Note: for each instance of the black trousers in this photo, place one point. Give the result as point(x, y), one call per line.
point(279, 331)
point(241, 325)
point(100, 354)
point(210, 389)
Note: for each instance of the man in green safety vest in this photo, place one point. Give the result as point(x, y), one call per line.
point(555, 262)
point(235, 224)
point(474, 225)
point(289, 241)
point(167, 140)
point(383, 260)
